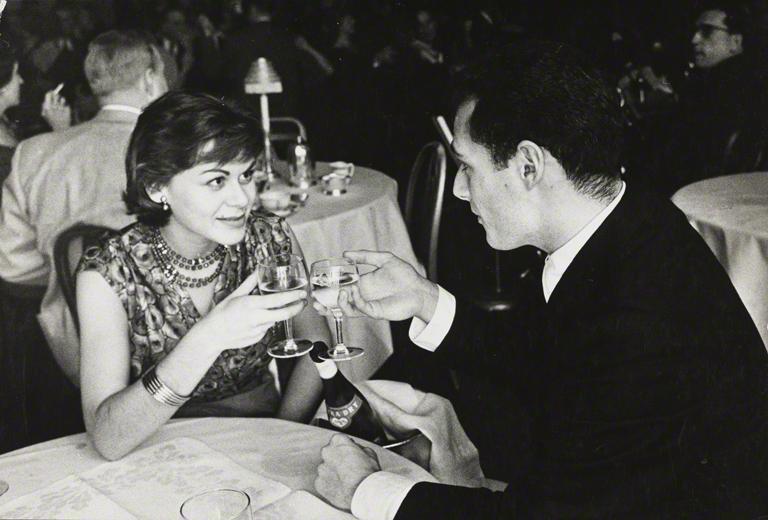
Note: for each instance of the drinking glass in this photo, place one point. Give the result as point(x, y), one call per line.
point(328, 276)
point(281, 273)
point(219, 504)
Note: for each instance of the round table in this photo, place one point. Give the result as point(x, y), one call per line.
point(731, 214)
point(366, 217)
point(275, 461)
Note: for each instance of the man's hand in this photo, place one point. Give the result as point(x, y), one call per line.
point(394, 291)
point(345, 465)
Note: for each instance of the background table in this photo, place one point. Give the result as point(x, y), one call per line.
point(366, 217)
point(282, 451)
point(731, 214)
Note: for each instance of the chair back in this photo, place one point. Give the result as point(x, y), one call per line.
point(424, 204)
point(67, 250)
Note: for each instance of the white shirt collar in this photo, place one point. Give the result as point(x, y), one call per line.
point(558, 261)
point(115, 107)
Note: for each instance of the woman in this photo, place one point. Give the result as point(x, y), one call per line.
point(10, 87)
point(55, 109)
point(166, 314)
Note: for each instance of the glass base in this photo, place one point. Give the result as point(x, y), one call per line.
point(342, 353)
point(279, 350)
point(3, 487)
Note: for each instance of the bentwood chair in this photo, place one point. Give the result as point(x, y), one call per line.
point(424, 204)
point(67, 250)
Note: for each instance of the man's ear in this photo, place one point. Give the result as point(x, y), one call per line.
point(530, 161)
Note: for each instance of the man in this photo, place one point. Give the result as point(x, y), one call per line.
point(717, 128)
point(642, 375)
point(76, 175)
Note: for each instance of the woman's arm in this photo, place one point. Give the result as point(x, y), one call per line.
point(119, 416)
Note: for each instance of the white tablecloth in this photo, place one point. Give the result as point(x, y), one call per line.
point(221, 452)
point(731, 214)
point(366, 217)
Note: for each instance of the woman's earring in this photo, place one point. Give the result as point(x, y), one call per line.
point(164, 202)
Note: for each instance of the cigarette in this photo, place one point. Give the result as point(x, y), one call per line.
point(57, 89)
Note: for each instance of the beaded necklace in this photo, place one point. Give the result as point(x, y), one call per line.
point(170, 261)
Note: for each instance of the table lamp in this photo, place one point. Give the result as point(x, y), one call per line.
point(262, 79)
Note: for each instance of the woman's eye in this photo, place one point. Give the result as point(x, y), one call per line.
point(216, 183)
point(246, 177)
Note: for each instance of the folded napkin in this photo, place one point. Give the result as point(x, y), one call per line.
point(453, 459)
point(68, 498)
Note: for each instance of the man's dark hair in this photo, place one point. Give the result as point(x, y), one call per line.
point(553, 95)
point(176, 132)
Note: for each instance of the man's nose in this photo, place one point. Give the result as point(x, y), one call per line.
point(696, 38)
point(460, 186)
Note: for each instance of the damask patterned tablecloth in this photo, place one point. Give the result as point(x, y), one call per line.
point(366, 217)
point(274, 461)
point(731, 214)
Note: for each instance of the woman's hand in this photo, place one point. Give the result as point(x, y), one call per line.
point(55, 109)
point(242, 318)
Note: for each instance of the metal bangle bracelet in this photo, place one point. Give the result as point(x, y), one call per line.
point(160, 391)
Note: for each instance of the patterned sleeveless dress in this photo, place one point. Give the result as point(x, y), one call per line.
point(161, 313)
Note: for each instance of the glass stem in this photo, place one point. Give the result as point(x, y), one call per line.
point(289, 343)
point(339, 333)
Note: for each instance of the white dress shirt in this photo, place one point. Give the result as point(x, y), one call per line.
point(379, 496)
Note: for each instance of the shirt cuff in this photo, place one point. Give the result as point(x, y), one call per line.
point(429, 335)
point(379, 495)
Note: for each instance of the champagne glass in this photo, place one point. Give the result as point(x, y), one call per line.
point(281, 273)
point(327, 277)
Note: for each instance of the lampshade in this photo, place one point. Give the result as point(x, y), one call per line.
point(262, 78)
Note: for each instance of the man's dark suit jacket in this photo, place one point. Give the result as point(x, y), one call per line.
point(643, 378)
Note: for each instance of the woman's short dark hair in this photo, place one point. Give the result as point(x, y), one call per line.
point(173, 135)
point(553, 95)
point(7, 61)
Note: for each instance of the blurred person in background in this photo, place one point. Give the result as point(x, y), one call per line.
point(76, 175)
point(717, 127)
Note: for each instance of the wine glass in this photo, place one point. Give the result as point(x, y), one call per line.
point(281, 273)
point(327, 277)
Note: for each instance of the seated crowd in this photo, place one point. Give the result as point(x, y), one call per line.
point(637, 379)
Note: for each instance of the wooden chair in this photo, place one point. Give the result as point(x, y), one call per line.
point(424, 204)
point(67, 250)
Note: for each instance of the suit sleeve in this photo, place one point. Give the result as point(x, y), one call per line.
point(428, 500)
point(20, 260)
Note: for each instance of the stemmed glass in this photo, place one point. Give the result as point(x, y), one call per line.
point(327, 277)
point(281, 273)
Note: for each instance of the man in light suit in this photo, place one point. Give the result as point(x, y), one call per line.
point(643, 378)
point(76, 175)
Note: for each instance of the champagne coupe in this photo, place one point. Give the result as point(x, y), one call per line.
point(281, 273)
point(328, 276)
